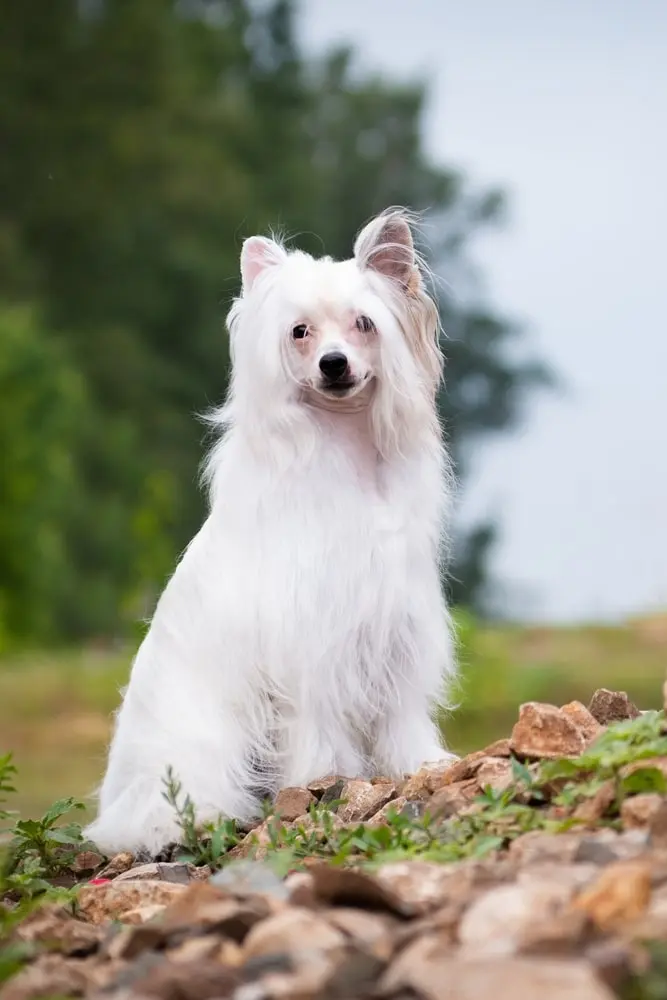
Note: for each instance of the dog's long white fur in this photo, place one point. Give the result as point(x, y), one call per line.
point(303, 632)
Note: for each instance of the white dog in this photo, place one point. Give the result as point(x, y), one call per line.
point(303, 632)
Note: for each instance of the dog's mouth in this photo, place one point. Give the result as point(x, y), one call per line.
point(343, 386)
point(339, 386)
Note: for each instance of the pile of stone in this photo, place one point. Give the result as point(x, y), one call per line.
point(551, 913)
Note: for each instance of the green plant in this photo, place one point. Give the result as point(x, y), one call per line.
point(206, 843)
point(7, 774)
point(42, 841)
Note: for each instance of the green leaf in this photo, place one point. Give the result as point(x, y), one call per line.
point(64, 837)
point(485, 845)
point(644, 779)
point(520, 772)
point(29, 829)
point(59, 809)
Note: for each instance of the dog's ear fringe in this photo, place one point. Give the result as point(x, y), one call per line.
point(401, 259)
point(257, 254)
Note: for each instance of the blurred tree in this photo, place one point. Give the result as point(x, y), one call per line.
point(144, 140)
point(42, 402)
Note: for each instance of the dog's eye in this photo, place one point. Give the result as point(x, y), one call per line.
point(364, 324)
point(299, 331)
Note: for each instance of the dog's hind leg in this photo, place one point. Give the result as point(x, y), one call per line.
point(208, 754)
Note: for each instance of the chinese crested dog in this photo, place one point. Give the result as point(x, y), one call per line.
point(304, 631)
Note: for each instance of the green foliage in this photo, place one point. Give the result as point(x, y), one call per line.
point(495, 818)
point(620, 744)
point(207, 843)
point(650, 984)
point(122, 208)
point(37, 851)
point(42, 406)
point(7, 775)
point(43, 842)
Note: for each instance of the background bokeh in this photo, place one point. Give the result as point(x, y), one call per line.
point(141, 143)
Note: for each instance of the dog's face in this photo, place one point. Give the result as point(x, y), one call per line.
point(333, 351)
point(340, 331)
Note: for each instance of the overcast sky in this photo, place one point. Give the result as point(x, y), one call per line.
point(564, 104)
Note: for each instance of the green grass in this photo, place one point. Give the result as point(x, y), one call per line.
point(55, 708)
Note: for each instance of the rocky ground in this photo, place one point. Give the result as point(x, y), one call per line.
point(536, 867)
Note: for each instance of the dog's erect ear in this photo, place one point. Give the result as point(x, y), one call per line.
point(385, 245)
point(258, 253)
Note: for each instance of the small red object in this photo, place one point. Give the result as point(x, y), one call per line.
point(99, 881)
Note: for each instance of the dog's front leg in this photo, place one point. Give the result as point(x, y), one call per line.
point(314, 747)
point(406, 738)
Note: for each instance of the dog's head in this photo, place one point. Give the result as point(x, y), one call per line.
point(342, 334)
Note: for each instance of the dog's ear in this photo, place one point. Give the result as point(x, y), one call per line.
point(258, 253)
point(385, 245)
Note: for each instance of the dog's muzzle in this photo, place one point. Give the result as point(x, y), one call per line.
point(335, 371)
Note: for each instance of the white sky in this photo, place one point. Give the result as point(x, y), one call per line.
point(564, 104)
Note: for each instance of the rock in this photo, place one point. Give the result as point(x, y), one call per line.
point(363, 800)
point(325, 785)
point(139, 915)
point(501, 748)
point(119, 863)
point(293, 930)
point(355, 975)
point(292, 802)
point(453, 799)
point(637, 811)
point(299, 976)
point(423, 886)
point(545, 732)
point(657, 826)
point(428, 970)
point(197, 949)
point(571, 876)
point(371, 931)
point(100, 903)
point(538, 846)
point(392, 808)
point(587, 723)
point(461, 770)
point(299, 888)
point(620, 894)
point(611, 706)
point(591, 810)
point(156, 976)
point(613, 961)
point(245, 879)
point(52, 927)
point(495, 773)
point(597, 849)
point(181, 874)
point(558, 934)
point(631, 843)
point(496, 922)
point(429, 778)
point(349, 887)
point(255, 844)
point(129, 942)
point(204, 907)
point(86, 861)
point(53, 976)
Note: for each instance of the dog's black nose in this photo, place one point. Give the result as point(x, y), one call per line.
point(333, 365)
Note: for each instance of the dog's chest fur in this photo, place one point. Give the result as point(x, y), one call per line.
point(318, 574)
